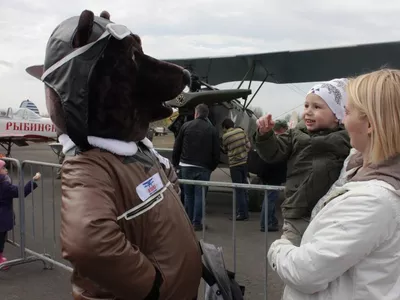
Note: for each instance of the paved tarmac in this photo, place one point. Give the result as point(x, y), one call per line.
point(31, 281)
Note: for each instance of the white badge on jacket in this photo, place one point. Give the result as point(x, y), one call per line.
point(149, 187)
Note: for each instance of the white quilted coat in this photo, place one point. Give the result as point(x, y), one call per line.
point(351, 249)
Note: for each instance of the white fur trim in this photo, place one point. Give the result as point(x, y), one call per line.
point(147, 143)
point(114, 146)
point(66, 142)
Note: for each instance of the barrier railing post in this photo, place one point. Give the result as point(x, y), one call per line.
point(203, 195)
point(12, 173)
point(203, 207)
point(33, 203)
point(234, 228)
point(21, 198)
point(266, 243)
point(54, 214)
point(43, 215)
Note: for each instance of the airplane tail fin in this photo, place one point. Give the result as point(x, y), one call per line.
point(30, 105)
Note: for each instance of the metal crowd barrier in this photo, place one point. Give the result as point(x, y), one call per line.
point(40, 252)
point(15, 164)
point(265, 188)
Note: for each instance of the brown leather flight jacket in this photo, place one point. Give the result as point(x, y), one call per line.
point(154, 255)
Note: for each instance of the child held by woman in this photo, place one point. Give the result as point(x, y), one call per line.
point(314, 151)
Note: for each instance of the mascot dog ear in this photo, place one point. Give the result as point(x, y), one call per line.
point(84, 29)
point(104, 14)
point(107, 86)
point(53, 101)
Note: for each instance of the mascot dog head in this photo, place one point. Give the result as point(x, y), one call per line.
point(100, 83)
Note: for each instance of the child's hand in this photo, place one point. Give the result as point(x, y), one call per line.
point(265, 124)
point(37, 176)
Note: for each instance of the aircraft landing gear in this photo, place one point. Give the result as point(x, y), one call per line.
point(6, 146)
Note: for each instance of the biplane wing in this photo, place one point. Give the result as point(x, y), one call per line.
point(287, 66)
point(295, 66)
point(276, 67)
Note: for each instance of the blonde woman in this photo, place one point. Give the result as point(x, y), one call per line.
point(351, 249)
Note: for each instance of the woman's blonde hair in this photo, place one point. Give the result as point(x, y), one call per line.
point(376, 96)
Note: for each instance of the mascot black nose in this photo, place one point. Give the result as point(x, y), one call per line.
point(187, 77)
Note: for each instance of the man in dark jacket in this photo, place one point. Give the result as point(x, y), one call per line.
point(196, 152)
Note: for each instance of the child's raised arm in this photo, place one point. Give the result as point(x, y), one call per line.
point(14, 190)
point(272, 148)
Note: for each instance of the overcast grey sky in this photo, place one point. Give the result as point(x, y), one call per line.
point(195, 28)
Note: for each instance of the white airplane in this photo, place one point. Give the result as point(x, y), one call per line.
point(22, 125)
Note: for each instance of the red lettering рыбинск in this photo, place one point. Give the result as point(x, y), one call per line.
point(30, 127)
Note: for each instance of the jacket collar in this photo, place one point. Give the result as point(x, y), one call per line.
point(302, 126)
point(388, 171)
point(115, 146)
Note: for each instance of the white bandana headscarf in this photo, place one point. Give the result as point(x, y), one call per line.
point(334, 94)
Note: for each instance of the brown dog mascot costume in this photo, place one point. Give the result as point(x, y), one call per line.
point(123, 226)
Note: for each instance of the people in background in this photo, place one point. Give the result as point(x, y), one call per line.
point(237, 145)
point(8, 192)
point(314, 151)
point(196, 151)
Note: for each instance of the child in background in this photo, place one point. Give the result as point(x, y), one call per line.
point(8, 192)
point(314, 151)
